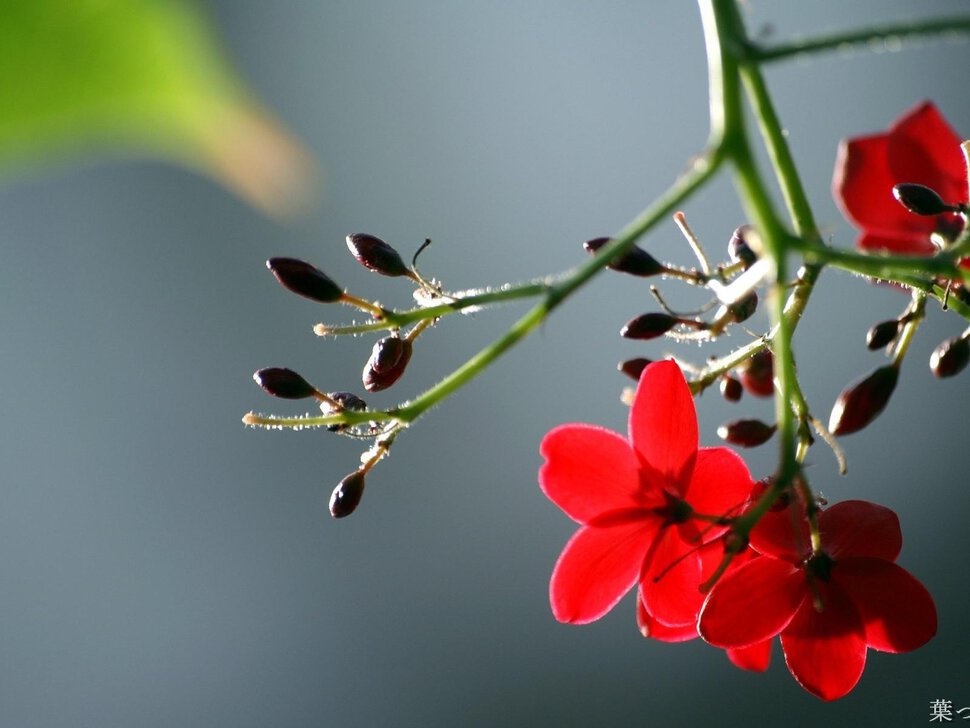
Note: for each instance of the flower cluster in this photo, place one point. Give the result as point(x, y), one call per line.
point(657, 512)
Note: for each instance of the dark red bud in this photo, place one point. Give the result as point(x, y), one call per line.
point(758, 373)
point(346, 496)
point(862, 401)
point(636, 261)
point(882, 334)
point(633, 368)
point(731, 388)
point(387, 362)
point(738, 249)
point(349, 401)
point(373, 253)
point(950, 357)
point(744, 309)
point(746, 433)
point(284, 383)
point(304, 279)
point(920, 199)
point(649, 326)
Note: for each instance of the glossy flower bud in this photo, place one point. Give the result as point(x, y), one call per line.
point(882, 334)
point(746, 433)
point(950, 357)
point(738, 249)
point(649, 326)
point(861, 402)
point(636, 261)
point(758, 374)
point(731, 388)
point(347, 400)
point(283, 383)
point(304, 279)
point(920, 199)
point(744, 308)
point(346, 496)
point(633, 368)
point(373, 253)
point(387, 362)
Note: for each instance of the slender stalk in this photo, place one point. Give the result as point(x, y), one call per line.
point(953, 26)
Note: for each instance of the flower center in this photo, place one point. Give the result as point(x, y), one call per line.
point(819, 566)
point(676, 510)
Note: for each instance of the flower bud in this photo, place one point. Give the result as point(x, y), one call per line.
point(882, 334)
point(731, 388)
point(744, 308)
point(348, 401)
point(738, 249)
point(758, 373)
point(304, 279)
point(862, 401)
point(633, 368)
point(283, 383)
point(920, 199)
point(746, 433)
point(346, 496)
point(636, 261)
point(950, 357)
point(373, 253)
point(649, 326)
point(387, 362)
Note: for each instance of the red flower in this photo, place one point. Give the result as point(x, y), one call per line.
point(919, 148)
point(636, 500)
point(828, 607)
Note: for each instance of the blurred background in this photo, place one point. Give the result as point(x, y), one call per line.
point(163, 565)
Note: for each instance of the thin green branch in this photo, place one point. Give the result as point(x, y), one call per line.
point(892, 32)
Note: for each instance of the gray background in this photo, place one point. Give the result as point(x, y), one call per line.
point(162, 565)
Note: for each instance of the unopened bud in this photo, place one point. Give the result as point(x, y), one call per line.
point(950, 357)
point(373, 253)
point(387, 362)
point(744, 308)
point(862, 401)
point(633, 368)
point(649, 326)
point(346, 496)
point(731, 388)
point(283, 383)
point(920, 199)
point(348, 401)
point(738, 249)
point(746, 433)
point(882, 334)
point(636, 261)
point(304, 279)
point(758, 374)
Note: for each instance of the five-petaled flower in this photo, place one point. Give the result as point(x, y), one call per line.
point(829, 605)
point(640, 502)
point(920, 148)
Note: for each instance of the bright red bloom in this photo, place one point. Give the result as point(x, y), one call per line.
point(635, 499)
point(919, 148)
point(828, 607)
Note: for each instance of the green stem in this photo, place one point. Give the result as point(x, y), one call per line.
point(957, 25)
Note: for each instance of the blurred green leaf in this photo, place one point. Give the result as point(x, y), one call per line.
point(135, 76)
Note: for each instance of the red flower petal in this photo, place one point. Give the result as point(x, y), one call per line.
point(720, 483)
point(663, 425)
point(652, 629)
point(590, 470)
point(596, 568)
point(896, 609)
point(826, 651)
point(923, 148)
point(752, 604)
point(783, 534)
point(755, 658)
point(860, 528)
point(863, 187)
point(670, 583)
point(904, 243)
